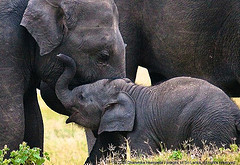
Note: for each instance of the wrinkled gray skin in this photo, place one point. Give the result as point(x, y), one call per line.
point(181, 38)
point(172, 38)
point(31, 35)
point(177, 110)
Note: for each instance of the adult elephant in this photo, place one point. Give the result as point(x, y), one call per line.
point(86, 31)
point(191, 38)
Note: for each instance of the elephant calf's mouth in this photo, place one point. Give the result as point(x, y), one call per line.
point(72, 118)
point(76, 116)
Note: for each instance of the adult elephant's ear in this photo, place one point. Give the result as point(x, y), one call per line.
point(44, 21)
point(119, 116)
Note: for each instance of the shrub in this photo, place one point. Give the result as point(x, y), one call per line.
point(23, 156)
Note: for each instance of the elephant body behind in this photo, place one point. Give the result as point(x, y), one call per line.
point(183, 38)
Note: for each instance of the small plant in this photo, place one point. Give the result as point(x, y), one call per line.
point(176, 155)
point(3, 152)
point(234, 147)
point(24, 156)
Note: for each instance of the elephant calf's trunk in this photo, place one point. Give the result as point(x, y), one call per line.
point(61, 89)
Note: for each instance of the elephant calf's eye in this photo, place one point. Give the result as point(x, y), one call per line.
point(81, 97)
point(109, 106)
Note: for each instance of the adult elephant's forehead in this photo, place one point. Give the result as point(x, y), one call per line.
point(93, 38)
point(92, 13)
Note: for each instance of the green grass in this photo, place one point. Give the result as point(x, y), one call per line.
point(194, 156)
point(66, 143)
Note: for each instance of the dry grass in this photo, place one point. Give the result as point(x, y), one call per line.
point(194, 156)
point(66, 144)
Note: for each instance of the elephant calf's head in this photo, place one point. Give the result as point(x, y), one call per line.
point(100, 105)
point(85, 30)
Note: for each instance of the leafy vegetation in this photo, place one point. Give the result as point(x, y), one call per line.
point(3, 152)
point(176, 155)
point(23, 156)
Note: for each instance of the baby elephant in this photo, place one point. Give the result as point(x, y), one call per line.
point(172, 112)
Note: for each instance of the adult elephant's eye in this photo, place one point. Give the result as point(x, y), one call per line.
point(103, 56)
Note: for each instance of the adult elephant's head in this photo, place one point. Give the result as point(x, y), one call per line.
point(85, 30)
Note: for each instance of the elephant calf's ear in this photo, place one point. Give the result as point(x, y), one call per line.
point(43, 21)
point(119, 117)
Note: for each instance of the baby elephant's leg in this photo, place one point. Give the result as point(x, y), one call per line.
point(220, 131)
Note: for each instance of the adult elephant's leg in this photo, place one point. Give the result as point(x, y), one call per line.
point(12, 124)
point(11, 108)
point(131, 57)
point(131, 65)
point(33, 120)
point(156, 78)
point(130, 28)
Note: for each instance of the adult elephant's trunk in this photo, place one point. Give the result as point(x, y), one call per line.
point(61, 89)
